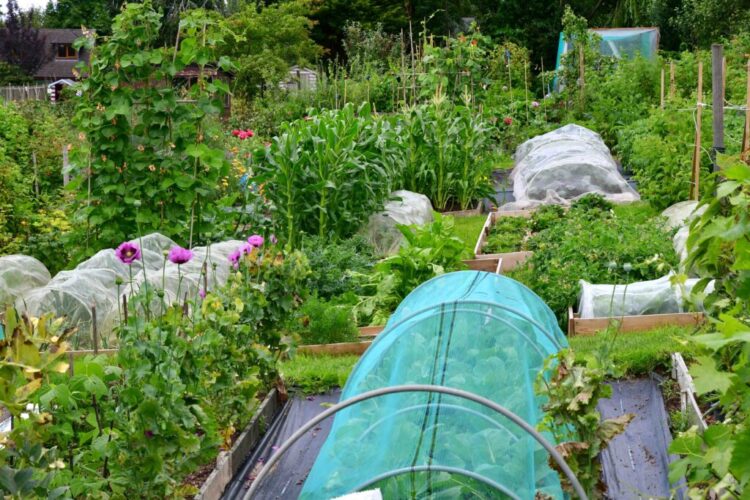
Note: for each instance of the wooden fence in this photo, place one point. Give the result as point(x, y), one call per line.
point(24, 93)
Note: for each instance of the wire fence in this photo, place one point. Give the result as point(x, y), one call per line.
point(24, 93)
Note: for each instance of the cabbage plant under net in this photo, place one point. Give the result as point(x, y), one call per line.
point(563, 165)
point(475, 331)
point(18, 274)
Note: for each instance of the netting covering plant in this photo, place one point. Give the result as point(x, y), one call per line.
point(19, 273)
point(564, 164)
point(480, 332)
point(104, 279)
point(661, 296)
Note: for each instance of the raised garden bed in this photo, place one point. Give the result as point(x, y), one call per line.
point(229, 462)
point(628, 324)
point(465, 213)
point(688, 404)
point(510, 260)
point(366, 333)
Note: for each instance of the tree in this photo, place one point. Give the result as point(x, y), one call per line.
point(21, 44)
point(270, 40)
point(93, 14)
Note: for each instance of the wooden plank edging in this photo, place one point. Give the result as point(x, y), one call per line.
point(229, 462)
point(688, 403)
point(630, 324)
point(482, 239)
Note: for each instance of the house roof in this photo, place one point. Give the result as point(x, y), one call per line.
point(60, 35)
point(56, 69)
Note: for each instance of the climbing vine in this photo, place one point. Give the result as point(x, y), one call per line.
point(149, 115)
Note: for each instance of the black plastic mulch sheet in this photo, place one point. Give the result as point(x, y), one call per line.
point(289, 474)
point(635, 465)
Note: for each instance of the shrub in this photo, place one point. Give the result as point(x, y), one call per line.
point(322, 322)
point(335, 266)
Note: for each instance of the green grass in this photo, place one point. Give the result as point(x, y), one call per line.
point(317, 374)
point(633, 354)
point(468, 229)
point(637, 353)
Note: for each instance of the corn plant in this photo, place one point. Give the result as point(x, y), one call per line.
point(446, 154)
point(326, 174)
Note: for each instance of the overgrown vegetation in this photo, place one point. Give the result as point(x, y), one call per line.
point(623, 245)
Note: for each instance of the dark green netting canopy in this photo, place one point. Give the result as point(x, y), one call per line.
point(479, 332)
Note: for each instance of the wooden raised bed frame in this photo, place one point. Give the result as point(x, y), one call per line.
point(510, 260)
point(629, 324)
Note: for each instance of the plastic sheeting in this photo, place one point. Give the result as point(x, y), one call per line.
point(658, 296)
point(618, 43)
point(635, 464)
point(563, 165)
point(18, 274)
point(470, 330)
point(410, 208)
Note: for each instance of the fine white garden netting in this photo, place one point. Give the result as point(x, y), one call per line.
point(660, 296)
point(102, 280)
point(560, 166)
point(406, 208)
point(18, 274)
point(680, 216)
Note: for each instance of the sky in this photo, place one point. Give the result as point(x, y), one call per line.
point(26, 4)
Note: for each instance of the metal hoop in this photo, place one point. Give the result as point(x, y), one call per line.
point(418, 388)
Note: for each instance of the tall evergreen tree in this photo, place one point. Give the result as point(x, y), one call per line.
point(21, 44)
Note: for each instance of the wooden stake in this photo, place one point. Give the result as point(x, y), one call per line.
point(717, 100)
point(661, 93)
point(94, 332)
point(66, 175)
point(672, 84)
point(746, 136)
point(695, 179)
point(526, 87)
point(582, 76)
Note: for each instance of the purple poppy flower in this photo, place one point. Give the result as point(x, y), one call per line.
point(128, 252)
point(148, 433)
point(234, 258)
point(534, 104)
point(179, 255)
point(247, 248)
point(273, 239)
point(256, 240)
point(202, 293)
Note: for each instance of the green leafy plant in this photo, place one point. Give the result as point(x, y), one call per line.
point(336, 266)
point(150, 162)
point(716, 462)
point(321, 322)
point(428, 251)
point(598, 246)
point(571, 416)
point(324, 176)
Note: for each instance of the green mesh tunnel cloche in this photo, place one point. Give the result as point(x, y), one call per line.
point(479, 332)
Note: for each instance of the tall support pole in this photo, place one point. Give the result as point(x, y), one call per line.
point(696, 174)
point(672, 83)
point(746, 135)
point(661, 93)
point(717, 96)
